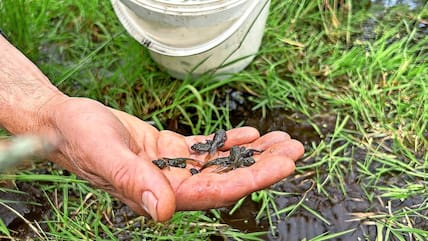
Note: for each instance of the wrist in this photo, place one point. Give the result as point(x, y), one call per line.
point(36, 117)
point(25, 92)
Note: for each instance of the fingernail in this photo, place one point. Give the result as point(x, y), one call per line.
point(149, 204)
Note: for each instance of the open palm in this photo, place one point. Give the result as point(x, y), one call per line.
point(113, 150)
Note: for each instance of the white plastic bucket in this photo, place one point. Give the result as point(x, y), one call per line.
point(196, 36)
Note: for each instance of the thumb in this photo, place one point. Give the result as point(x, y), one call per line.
point(142, 186)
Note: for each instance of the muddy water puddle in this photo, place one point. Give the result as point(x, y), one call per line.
point(411, 4)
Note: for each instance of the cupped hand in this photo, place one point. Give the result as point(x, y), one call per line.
point(113, 151)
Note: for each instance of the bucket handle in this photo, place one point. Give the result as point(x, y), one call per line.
point(160, 48)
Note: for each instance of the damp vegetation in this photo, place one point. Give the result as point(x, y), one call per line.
point(347, 78)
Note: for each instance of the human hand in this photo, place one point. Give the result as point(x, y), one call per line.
point(113, 151)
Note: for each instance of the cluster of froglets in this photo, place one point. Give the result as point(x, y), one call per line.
point(238, 156)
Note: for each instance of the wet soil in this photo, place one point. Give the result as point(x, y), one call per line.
point(342, 211)
point(29, 203)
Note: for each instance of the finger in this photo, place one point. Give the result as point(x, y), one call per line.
point(211, 190)
point(142, 183)
point(240, 136)
point(269, 139)
point(221, 189)
point(291, 148)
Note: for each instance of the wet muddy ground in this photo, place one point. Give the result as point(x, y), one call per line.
point(29, 203)
point(340, 212)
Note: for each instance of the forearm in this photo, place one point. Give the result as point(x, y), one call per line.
point(24, 91)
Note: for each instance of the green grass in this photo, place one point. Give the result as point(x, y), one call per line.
point(314, 60)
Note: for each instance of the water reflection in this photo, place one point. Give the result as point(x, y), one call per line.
point(412, 4)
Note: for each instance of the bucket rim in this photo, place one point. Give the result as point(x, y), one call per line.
point(153, 45)
point(187, 7)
